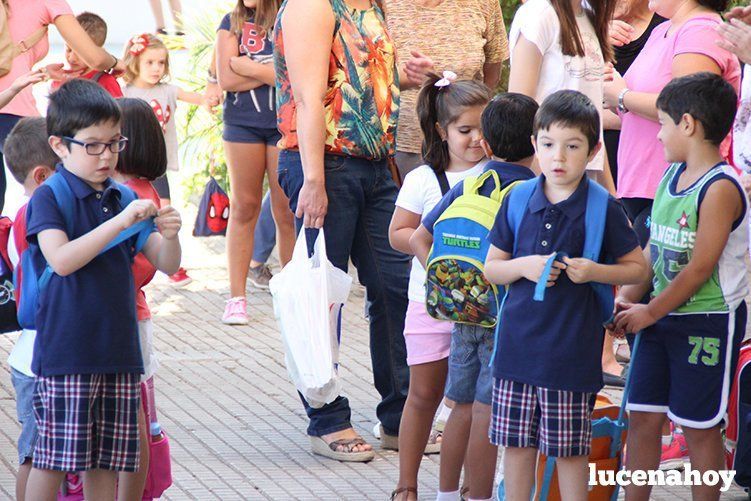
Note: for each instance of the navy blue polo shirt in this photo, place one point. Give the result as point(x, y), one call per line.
point(555, 343)
point(508, 173)
point(86, 322)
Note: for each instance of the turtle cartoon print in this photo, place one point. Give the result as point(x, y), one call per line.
point(459, 292)
point(255, 45)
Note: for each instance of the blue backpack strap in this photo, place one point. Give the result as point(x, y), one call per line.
point(518, 200)
point(594, 223)
point(65, 202)
point(142, 229)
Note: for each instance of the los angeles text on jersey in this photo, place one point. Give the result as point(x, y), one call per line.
point(672, 237)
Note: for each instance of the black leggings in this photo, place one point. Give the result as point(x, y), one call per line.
point(639, 211)
point(7, 121)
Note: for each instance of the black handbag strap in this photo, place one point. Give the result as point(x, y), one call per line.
point(443, 182)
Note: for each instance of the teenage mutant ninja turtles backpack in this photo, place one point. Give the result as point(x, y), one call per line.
point(456, 287)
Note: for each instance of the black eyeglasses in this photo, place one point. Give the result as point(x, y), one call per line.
point(96, 148)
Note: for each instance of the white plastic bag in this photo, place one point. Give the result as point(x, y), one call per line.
point(308, 295)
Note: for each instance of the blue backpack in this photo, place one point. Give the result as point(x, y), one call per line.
point(33, 285)
point(594, 228)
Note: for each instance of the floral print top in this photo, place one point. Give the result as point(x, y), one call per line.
point(361, 105)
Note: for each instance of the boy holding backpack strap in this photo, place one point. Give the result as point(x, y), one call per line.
point(547, 364)
point(86, 353)
point(457, 291)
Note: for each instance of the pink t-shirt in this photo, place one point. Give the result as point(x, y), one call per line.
point(25, 17)
point(641, 160)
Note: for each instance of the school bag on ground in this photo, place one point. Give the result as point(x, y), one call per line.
point(34, 284)
point(738, 431)
point(10, 49)
point(456, 287)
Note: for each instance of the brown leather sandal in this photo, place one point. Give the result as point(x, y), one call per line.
point(400, 490)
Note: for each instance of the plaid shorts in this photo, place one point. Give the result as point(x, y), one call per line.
point(87, 421)
point(558, 423)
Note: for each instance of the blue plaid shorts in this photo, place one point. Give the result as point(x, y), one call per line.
point(558, 423)
point(87, 421)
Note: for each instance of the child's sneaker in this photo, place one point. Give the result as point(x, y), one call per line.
point(673, 455)
point(180, 278)
point(73, 484)
point(259, 276)
point(235, 312)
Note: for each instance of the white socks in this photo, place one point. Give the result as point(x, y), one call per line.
point(444, 411)
point(448, 496)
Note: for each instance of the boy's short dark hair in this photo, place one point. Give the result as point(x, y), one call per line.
point(569, 108)
point(707, 97)
point(27, 147)
point(146, 153)
point(507, 125)
point(78, 104)
point(94, 26)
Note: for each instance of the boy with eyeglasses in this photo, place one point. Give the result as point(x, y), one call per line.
point(87, 357)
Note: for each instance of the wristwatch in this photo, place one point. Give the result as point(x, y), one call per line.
point(622, 107)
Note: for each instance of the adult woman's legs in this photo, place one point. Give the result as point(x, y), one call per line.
point(283, 217)
point(426, 385)
point(246, 163)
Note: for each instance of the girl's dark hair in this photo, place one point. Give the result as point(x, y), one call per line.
point(442, 106)
point(265, 15)
point(600, 14)
point(146, 154)
point(715, 5)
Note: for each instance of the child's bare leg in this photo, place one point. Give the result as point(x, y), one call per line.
point(609, 363)
point(644, 447)
point(573, 477)
point(99, 485)
point(426, 385)
point(43, 484)
point(519, 472)
point(177, 13)
point(481, 454)
point(454, 446)
point(706, 451)
point(130, 485)
point(21, 480)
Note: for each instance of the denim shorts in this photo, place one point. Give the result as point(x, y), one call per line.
point(24, 386)
point(470, 376)
point(243, 134)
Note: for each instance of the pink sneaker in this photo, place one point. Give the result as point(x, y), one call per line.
point(673, 455)
point(235, 313)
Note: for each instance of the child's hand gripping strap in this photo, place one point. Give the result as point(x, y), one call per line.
point(65, 201)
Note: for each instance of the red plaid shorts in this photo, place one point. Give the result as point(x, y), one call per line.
point(558, 423)
point(87, 421)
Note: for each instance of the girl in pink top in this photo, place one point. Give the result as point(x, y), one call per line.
point(144, 160)
point(685, 44)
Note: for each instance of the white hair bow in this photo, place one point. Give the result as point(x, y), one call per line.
point(448, 77)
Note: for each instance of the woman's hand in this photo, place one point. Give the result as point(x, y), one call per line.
point(312, 203)
point(736, 38)
point(740, 13)
point(611, 91)
point(621, 33)
point(417, 68)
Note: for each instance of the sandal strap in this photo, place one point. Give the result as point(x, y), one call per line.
point(401, 490)
point(347, 443)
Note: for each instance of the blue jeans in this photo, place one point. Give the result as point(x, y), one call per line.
point(361, 197)
point(264, 236)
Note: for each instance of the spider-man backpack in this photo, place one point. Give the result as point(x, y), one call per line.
point(213, 211)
